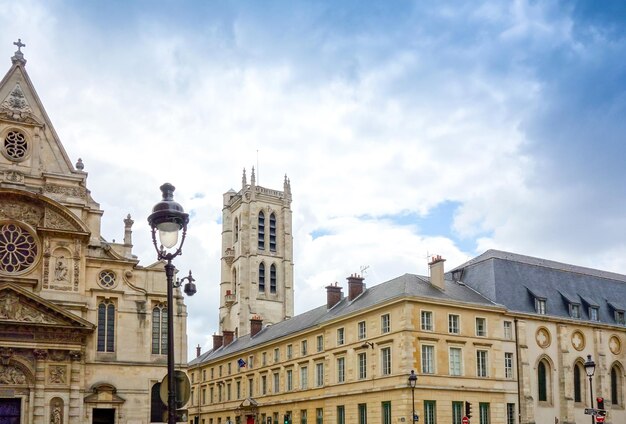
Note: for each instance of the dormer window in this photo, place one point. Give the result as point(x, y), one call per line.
point(540, 306)
point(618, 312)
point(593, 314)
point(574, 310)
point(619, 317)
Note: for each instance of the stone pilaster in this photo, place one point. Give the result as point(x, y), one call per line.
point(39, 407)
point(75, 385)
point(565, 374)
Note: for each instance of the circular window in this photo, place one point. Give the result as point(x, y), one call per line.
point(18, 248)
point(107, 279)
point(15, 145)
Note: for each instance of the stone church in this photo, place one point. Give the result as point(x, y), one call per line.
point(83, 327)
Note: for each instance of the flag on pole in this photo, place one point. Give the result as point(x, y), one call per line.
point(241, 363)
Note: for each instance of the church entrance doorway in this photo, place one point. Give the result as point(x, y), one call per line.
point(10, 410)
point(103, 416)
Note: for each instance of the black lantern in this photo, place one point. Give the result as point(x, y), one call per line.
point(590, 369)
point(169, 218)
point(412, 383)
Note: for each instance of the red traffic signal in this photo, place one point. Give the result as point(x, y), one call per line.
point(600, 401)
point(600, 419)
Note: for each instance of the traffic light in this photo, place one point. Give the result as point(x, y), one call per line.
point(601, 410)
point(468, 409)
point(286, 419)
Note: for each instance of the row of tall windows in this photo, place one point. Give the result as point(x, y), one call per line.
point(455, 361)
point(484, 412)
point(272, 232)
point(319, 376)
point(106, 328)
point(427, 323)
point(580, 382)
point(263, 278)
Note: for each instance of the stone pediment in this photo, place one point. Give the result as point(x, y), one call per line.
point(15, 107)
point(21, 307)
point(38, 211)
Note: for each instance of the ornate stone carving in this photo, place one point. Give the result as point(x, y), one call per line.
point(58, 355)
point(76, 355)
point(21, 211)
point(55, 221)
point(12, 310)
point(14, 177)
point(15, 107)
point(615, 346)
point(57, 374)
point(578, 340)
point(40, 354)
point(73, 191)
point(5, 355)
point(56, 411)
point(10, 374)
point(543, 337)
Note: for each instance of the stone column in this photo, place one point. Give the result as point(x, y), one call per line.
point(75, 385)
point(39, 406)
point(566, 375)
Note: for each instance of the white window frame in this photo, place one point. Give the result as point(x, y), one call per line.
point(452, 370)
point(484, 332)
point(385, 360)
point(319, 374)
point(451, 319)
point(427, 320)
point(482, 364)
point(540, 306)
point(341, 336)
point(508, 366)
point(361, 330)
point(341, 369)
point(385, 323)
point(508, 330)
point(304, 377)
point(427, 354)
point(362, 365)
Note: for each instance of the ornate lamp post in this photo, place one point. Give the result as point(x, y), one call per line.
point(590, 369)
point(168, 218)
point(412, 382)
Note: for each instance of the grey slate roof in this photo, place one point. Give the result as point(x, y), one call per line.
point(407, 285)
point(514, 280)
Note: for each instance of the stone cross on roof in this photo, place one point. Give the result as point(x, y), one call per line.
point(19, 56)
point(19, 44)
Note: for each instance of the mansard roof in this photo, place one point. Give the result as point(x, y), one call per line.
point(515, 281)
point(405, 286)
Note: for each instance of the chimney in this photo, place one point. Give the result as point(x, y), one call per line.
point(256, 324)
point(229, 336)
point(217, 341)
point(333, 295)
point(198, 351)
point(436, 272)
point(355, 286)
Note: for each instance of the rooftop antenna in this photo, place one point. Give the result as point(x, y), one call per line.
point(258, 171)
point(364, 269)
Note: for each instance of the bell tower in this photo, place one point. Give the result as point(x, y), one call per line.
point(257, 261)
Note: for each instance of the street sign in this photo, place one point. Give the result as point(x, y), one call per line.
point(591, 411)
point(183, 389)
point(465, 420)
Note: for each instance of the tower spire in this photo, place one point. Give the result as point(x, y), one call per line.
point(244, 179)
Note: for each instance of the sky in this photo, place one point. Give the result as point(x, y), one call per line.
point(407, 128)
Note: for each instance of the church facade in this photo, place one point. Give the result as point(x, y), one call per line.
point(83, 327)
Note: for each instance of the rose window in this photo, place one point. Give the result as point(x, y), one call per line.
point(18, 248)
point(15, 145)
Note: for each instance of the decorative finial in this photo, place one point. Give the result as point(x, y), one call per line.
point(128, 222)
point(19, 56)
point(80, 165)
point(244, 179)
point(252, 177)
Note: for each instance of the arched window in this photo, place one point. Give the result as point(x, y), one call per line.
point(236, 230)
point(544, 382)
point(157, 408)
point(616, 385)
point(272, 232)
point(106, 326)
point(578, 393)
point(273, 278)
point(159, 330)
point(261, 230)
point(261, 277)
point(234, 277)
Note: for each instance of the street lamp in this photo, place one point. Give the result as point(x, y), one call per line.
point(590, 369)
point(168, 218)
point(412, 382)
